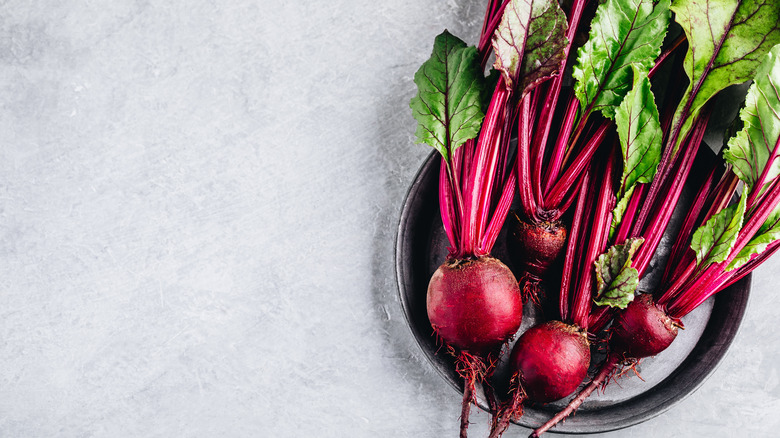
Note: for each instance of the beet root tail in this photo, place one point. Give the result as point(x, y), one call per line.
point(512, 408)
point(473, 370)
point(465, 410)
point(531, 289)
point(599, 379)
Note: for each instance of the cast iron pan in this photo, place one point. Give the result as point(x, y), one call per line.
point(666, 379)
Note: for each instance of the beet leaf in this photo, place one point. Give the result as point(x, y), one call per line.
point(529, 42)
point(623, 32)
point(713, 241)
point(448, 104)
point(616, 279)
point(752, 149)
point(727, 42)
point(640, 133)
point(753, 152)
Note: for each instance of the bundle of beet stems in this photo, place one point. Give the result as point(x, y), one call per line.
point(603, 147)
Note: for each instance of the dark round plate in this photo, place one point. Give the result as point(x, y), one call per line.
point(666, 379)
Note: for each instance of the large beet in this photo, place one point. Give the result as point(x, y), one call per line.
point(474, 305)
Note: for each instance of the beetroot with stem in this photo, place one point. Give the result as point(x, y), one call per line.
point(473, 300)
point(551, 359)
point(539, 235)
point(535, 247)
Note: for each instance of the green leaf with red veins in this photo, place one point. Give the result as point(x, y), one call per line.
point(623, 32)
point(640, 133)
point(530, 43)
point(712, 242)
point(727, 41)
point(753, 148)
point(616, 279)
point(640, 140)
point(448, 104)
point(768, 233)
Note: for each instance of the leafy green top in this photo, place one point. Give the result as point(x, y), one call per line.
point(713, 241)
point(623, 32)
point(640, 133)
point(448, 104)
point(750, 150)
point(754, 148)
point(640, 136)
point(616, 279)
point(722, 48)
point(530, 42)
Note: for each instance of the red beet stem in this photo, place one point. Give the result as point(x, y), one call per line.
point(606, 370)
point(714, 278)
point(663, 213)
point(602, 217)
point(555, 196)
point(568, 281)
point(483, 172)
point(680, 250)
point(637, 197)
point(559, 150)
point(500, 213)
point(524, 180)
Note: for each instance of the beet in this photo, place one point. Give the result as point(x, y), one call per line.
point(474, 305)
point(551, 360)
point(535, 247)
point(642, 329)
point(548, 363)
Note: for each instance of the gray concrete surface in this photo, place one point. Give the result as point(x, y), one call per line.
point(198, 204)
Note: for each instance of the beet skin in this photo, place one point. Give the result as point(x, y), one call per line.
point(535, 247)
point(475, 304)
point(551, 360)
point(642, 329)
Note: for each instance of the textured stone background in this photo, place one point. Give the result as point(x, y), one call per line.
point(198, 204)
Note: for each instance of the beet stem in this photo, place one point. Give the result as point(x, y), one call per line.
point(602, 217)
point(527, 197)
point(556, 194)
point(559, 151)
point(570, 260)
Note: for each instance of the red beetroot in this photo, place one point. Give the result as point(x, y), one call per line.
point(474, 304)
point(642, 329)
point(534, 247)
point(551, 360)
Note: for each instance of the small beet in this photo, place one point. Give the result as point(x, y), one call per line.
point(535, 247)
point(551, 360)
point(643, 329)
